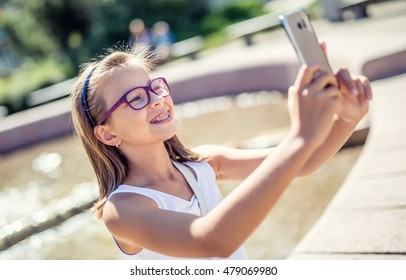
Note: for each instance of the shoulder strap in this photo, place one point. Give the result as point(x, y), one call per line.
point(190, 178)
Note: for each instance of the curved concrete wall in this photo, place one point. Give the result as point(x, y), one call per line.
point(54, 119)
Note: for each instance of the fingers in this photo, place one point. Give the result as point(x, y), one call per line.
point(323, 89)
point(367, 87)
point(313, 103)
point(358, 86)
point(364, 88)
point(305, 75)
point(313, 79)
point(323, 80)
point(346, 82)
point(307, 82)
point(361, 92)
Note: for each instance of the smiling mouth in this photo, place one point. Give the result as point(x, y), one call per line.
point(162, 117)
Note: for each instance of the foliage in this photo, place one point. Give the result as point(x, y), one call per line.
point(230, 13)
point(110, 20)
point(62, 34)
point(42, 27)
point(30, 76)
point(315, 10)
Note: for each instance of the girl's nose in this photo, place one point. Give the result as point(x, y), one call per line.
point(156, 100)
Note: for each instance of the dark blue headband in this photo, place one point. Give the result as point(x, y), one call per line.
point(84, 97)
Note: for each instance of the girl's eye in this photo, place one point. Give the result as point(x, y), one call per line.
point(134, 99)
point(156, 88)
point(136, 96)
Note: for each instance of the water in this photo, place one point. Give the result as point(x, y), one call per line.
point(42, 181)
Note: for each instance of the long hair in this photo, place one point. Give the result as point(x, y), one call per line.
point(109, 164)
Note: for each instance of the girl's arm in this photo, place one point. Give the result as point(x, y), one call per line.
point(356, 94)
point(235, 164)
point(138, 221)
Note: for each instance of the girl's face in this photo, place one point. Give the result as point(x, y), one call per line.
point(152, 124)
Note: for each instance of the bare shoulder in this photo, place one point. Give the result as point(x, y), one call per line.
point(130, 219)
point(124, 207)
point(210, 153)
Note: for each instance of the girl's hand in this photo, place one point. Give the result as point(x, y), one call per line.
point(313, 102)
point(356, 92)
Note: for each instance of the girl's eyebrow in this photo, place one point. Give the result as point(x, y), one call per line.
point(130, 89)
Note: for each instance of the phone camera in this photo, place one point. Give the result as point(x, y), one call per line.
point(299, 25)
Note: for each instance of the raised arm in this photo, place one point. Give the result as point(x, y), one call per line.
point(236, 164)
point(356, 94)
point(137, 221)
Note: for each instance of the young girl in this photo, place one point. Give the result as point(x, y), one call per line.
point(125, 118)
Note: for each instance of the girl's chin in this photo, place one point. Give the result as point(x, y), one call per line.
point(170, 134)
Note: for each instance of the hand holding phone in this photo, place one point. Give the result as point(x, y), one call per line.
point(303, 38)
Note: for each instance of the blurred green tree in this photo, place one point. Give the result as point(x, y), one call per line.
point(110, 18)
point(43, 27)
point(61, 34)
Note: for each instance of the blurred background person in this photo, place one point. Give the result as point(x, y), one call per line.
point(139, 34)
point(162, 40)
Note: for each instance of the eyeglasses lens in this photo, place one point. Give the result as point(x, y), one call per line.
point(160, 87)
point(139, 98)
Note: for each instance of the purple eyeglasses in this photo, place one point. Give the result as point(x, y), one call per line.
point(139, 97)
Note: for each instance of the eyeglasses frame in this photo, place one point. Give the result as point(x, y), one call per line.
point(123, 98)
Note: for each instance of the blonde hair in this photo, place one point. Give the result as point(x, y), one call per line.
point(109, 164)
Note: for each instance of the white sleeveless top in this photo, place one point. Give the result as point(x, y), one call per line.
point(206, 179)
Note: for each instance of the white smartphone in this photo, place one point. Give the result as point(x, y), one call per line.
point(303, 38)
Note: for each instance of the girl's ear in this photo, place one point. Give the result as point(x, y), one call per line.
point(105, 136)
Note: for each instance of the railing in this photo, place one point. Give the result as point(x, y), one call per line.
point(189, 47)
point(247, 28)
